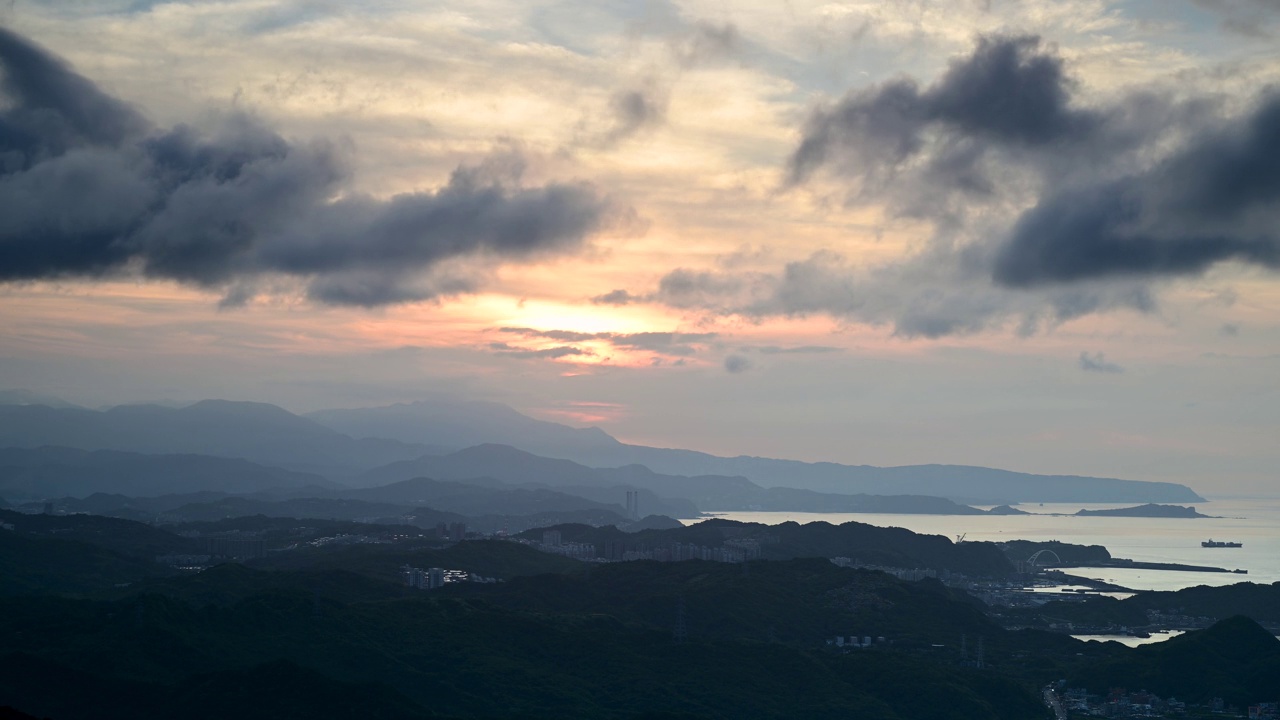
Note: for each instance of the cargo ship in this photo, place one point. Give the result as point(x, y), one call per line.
point(1218, 543)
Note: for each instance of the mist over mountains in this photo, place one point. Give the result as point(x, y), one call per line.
point(472, 441)
point(474, 423)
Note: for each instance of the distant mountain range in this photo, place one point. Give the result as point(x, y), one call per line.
point(471, 423)
point(258, 432)
point(376, 446)
point(59, 471)
point(658, 492)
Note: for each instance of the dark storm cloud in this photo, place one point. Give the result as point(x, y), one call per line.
point(90, 191)
point(1217, 199)
point(1008, 92)
point(52, 109)
point(1098, 363)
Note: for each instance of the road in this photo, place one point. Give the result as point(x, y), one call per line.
point(1051, 699)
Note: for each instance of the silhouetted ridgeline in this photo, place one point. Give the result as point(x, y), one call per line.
point(463, 659)
point(331, 629)
point(893, 547)
point(258, 432)
point(1235, 660)
point(1260, 602)
point(463, 424)
point(269, 435)
point(1148, 510)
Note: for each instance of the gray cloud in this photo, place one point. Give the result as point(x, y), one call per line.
point(1115, 197)
point(615, 297)
point(737, 364)
point(1250, 18)
point(797, 350)
point(637, 109)
point(91, 190)
point(928, 297)
point(1215, 200)
point(52, 109)
point(552, 353)
point(1097, 362)
point(1007, 93)
point(707, 42)
point(666, 343)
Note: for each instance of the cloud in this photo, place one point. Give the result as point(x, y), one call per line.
point(1097, 362)
point(51, 109)
point(92, 190)
point(615, 297)
point(1043, 209)
point(737, 364)
point(1217, 199)
point(1249, 18)
point(637, 109)
point(707, 42)
point(1229, 330)
point(666, 343)
point(1007, 93)
point(927, 298)
point(551, 353)
point(797, 350)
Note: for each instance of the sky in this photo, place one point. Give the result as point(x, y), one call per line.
point(1036, 235)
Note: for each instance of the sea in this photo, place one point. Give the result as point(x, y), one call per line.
point(1255, 522)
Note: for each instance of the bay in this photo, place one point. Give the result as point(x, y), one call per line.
point(1252, 521)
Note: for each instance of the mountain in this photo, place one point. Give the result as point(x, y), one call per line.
point(324, 444)
point(1235, 659)
point(1150, 510)
point(862, 543)
point(50, 472)
point(464, 424)
point(26, 397)
point(511, 465)
point(472, 499)
point(457, 424)
point(673, 495)
point(257, 432)
point(584, 647)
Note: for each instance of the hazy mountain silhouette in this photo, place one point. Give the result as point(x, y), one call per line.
point(658, 492)
point(52, 472)
point(270, 435)
point(26, 397)
point(512, 465)
point(258, 432)
point(465, 424)
point(475, 499)
point(458, 424)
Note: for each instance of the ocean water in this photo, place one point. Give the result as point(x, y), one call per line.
point(1254, 522)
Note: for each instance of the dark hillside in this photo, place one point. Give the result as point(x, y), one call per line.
point(1235, 659)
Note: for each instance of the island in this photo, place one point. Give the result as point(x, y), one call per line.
point(1150, 510)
